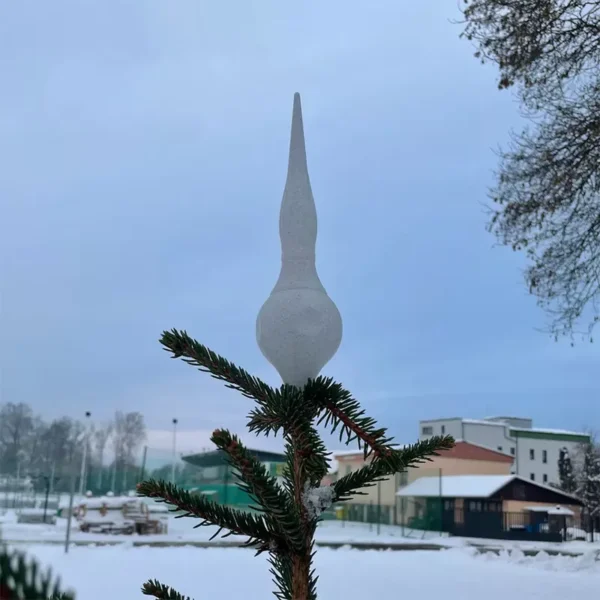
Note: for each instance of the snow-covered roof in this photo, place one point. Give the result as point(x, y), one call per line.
point(512, 427)
point(455, 486)
point(546, 430)
point(467, 486)
point(108, 501)
point(554, 510)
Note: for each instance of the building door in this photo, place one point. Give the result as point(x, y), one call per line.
point(483, 519)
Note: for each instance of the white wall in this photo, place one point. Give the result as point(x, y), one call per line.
point(441, 427)
point(495, 436)
point(492, 435)
point(526, 466)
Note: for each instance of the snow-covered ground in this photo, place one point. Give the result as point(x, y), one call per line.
point(96, 573)
point(182, 531)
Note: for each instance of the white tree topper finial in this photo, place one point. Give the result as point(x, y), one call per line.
point(298, 328)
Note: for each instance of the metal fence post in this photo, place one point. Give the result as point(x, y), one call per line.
point(378, 507)
point(70, 515)
point(441, 506)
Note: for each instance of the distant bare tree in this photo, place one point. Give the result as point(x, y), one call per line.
point(16, 426)
point(38, 459)
point(58, 440)
point(134, 433)
point(118, 446)
point(547, 192)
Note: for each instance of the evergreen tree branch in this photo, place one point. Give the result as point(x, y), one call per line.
point(181, 345)
point(281, 569)
point(262, 488)
point(292, 410)
point(400, 460)
point(20, 579)
point(255, 528)
point(278, 412)
point(338, 409)
point(161, 592)
point(312, 451)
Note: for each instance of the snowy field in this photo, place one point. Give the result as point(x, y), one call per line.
point(97, 573)
point(182, 531)
point(459, 573)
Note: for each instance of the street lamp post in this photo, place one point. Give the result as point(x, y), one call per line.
point(174, 451)
point(86, 441)
point(72, 489)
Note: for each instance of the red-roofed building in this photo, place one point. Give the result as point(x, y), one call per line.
point(468, 451)
point(464, 459)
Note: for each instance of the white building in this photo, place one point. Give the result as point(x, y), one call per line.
point(535, 450)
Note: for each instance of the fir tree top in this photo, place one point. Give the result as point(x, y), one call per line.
point(286, 515)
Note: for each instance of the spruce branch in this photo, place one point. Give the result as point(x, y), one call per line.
point(293, 411)
point(338, 409)
point(20, 579)
point(278, 412)
point(255, 528)
point(159, 591)
point(399, 460)
point(311, 449)
point(254, 479)
point(181, 345)
point(281, 569)
point(288, 515)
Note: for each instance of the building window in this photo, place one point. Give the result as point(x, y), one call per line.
point(531, 454)
point(403, 479)
point(545, 478)
point(428, 430)
point(544, 456)
point(512, 450)
point(348, 469)
point(532, 476)
point(443, 429)
point(499, 448)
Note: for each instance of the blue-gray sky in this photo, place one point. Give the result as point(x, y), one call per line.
point(143, 150)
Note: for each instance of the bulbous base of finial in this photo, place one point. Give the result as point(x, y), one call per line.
point(298, 331)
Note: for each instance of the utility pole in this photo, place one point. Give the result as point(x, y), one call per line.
point(72, 471)
point(86, 441)
point(70, 513)
point(174, 451)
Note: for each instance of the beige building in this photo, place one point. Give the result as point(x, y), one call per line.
point(464, 459)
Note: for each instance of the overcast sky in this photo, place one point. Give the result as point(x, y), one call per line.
point(143, 151)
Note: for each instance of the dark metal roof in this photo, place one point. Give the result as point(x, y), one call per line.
point(216, 458)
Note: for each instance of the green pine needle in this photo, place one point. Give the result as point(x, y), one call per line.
point(256, 528)
point(161, 592)
point(399, 460)
point(262, 488)
point(181, 345)
point(21, 579)
point(287, 519)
